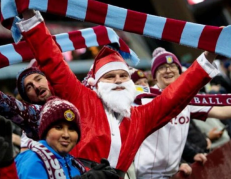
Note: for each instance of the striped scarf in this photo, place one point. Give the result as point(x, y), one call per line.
point(50, 161)
point(210, 38)
point(96, 36)
point(198, 100)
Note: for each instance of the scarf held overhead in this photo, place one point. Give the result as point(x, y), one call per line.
point(96, 36)
point(210, 38)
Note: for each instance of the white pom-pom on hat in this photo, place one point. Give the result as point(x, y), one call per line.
point(91, 81)
point(158, 51)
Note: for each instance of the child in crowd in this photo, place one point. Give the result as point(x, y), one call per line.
point(59, 132)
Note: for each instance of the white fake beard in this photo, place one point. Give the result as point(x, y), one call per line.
point(118, 101)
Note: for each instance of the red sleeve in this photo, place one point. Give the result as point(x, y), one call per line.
point(173, 99)
point(51, 62)
point(9, 172)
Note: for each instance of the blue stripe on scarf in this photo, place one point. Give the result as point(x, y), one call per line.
point(113, 37)
point(116, 17)
point(42, 4)
point(154, 26)
point(134, 58)
point(16, 34)
point(90, 37)
point(64, 42)
point(191, 34)
point(8, 9)
point(223, 42)
point(77, 9)
point(9, 52)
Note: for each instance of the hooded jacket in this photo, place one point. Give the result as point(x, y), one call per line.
point(29, 165)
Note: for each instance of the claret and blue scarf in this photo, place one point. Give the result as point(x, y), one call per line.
point(210, 38)
point(198, 100)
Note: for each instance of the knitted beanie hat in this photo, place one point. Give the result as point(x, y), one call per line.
point(138, 74)
point(161, 56)
point(20, 81)
point(107, 60)
point(56, 109)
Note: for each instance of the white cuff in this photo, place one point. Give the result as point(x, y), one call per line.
point(26, 25)
point(211, 69)
point(24, 140)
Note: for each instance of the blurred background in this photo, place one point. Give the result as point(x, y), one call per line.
point(207, 12)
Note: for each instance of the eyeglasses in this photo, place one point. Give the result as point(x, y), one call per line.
point(163, 68)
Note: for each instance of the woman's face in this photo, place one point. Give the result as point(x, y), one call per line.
point(62, 137)
point(166, 74)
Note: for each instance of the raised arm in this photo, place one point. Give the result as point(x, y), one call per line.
point(220, 112)
point(178, 94)
point(49, 57)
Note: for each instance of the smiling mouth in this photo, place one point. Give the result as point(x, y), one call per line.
point(168, 77)
point(64, 143)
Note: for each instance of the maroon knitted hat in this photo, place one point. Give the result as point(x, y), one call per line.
point(56, 109)
point(20, 81)
point(161, 56)
point(138, 74)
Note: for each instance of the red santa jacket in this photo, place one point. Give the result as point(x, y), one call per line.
point(96, 135)
point(8, 172)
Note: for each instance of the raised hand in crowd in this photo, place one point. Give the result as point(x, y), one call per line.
point(214, 134)
point(184, 171)
point(200, 158)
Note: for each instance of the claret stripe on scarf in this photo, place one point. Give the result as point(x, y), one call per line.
point(99, 35)
point(204, 37)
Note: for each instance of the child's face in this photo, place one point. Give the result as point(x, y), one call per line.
point(62, 137)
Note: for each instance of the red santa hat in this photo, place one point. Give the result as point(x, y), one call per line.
point(107, 60)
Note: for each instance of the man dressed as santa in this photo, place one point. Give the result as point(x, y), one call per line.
point(111, 127)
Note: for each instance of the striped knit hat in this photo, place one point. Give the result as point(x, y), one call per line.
point(56, 109)
point(161, 56)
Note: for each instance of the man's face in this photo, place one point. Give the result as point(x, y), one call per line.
point(166, 74)
point(37, 89)
point(115, 76)
point(117, 91)
point(62, 137)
